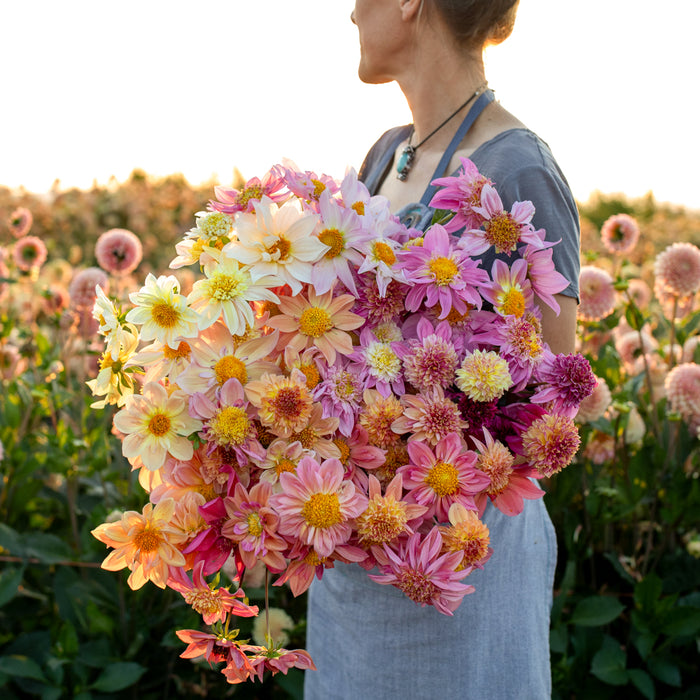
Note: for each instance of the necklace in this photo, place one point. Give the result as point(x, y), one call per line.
point(403, 167)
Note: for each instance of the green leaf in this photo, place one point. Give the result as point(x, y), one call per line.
point(596, 611)
point(118, 676)
point(10, 541)
point(21, 666)
point(643, 682)
point(51, 694)
point(647, 592)
point(682, 622)
point(558, 639)
point(293, 683)
point(10, 580)
point(49, 549)
point(609, 663)
point(665, 670)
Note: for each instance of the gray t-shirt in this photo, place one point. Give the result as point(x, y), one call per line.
point(521, 167)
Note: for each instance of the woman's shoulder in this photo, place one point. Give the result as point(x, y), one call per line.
point(515, 152)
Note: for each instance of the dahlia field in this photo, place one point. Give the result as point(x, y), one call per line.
point(626, 615)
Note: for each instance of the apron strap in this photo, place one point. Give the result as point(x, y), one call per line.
point(477, 108)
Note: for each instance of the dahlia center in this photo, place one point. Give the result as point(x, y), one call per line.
point(255, 527)
point(334, 240)
point(288, 402)
point(307, 437)
point(513, 302)
point(318, 188)
point(417, 586)
point(203, 601)
point(215, 225)
point(230, 426)
point(224, 287)
point(499, 470)
point(383, 521)
point(230, 367)
point(164, 315)
point(281, 249)
point(108, 363)
point(443, 478)
point(159, 424)
point(383, 361)
point(245, 195)
point(359, 207)
point(148, 540)
point(182, 351)
point(315, 322)
point(444, 269)
point(285, 465)
point(502, 232)
point(344, 448)
point(310, 371)
point(384, 253)
point(322, 510)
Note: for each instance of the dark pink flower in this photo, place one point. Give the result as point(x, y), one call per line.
point(118, 251)
point(29, 253)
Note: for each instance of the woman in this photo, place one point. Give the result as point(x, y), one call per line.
point(370, 641)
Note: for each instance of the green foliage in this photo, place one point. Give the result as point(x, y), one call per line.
point(626, 620)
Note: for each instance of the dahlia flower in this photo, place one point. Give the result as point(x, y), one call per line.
point(423, 574)
point(377, 305)
point(83, 287)
point(440, 273)
point(467, 535)
point(212, 604)
point(320, 320)
point(501, 229)
point(118, 251)
point(252, 524)
point(678, 268)
point(29, 253)
point(379, 363)
point(431, 359)
point(593, 406)
point(141, 542)
point(544, 279)
point(550, 443)
point(279, 624)
point(600, 448)
point(230, 200)
point(20, 222)
point(483, 375)
point(620, 234)
point(377, 417)
point(597, 293)
point(227, 292)
point(509, 292)
point(340, 394)
point(316, 505)
point(277, 243)
point(429, 417)
point(683, 391)
point(162, 312)
point(443, 476)
point(341, 232)
point(568, 380)
point(112, 381)
point(156, 424)
point(281, 456)
point(462, 195)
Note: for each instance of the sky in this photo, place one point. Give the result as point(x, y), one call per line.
point(93, 89)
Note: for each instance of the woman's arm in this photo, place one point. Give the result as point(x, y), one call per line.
point(560, 331)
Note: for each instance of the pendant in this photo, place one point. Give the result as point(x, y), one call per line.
point(403, 167)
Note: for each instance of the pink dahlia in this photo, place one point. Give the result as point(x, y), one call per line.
point(545, 280)
point(550, 443)
point(683, 391)
point(568, 380)
point(501, 229)
point(594, 406)
point(316, 505)
point(82, 287)
point(620, 234)
point(597, 294)
point(118, 251)
point(640, 292)
point(600, 448)
point(431, 359)
point(425, 575)
point(230, 200)
point(678, 268)
point(429, 417)
point(20, 222)
point(439, 478)
point(29, 253)
point(440, 273)
point(378, 308)
point(462, 195)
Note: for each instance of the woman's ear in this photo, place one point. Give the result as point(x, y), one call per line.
point(410, 9)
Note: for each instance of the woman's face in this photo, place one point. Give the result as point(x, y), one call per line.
point(381, 30)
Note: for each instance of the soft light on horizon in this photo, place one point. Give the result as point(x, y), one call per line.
point(97, 90)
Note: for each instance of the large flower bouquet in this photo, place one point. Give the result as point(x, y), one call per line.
point(336, 387)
